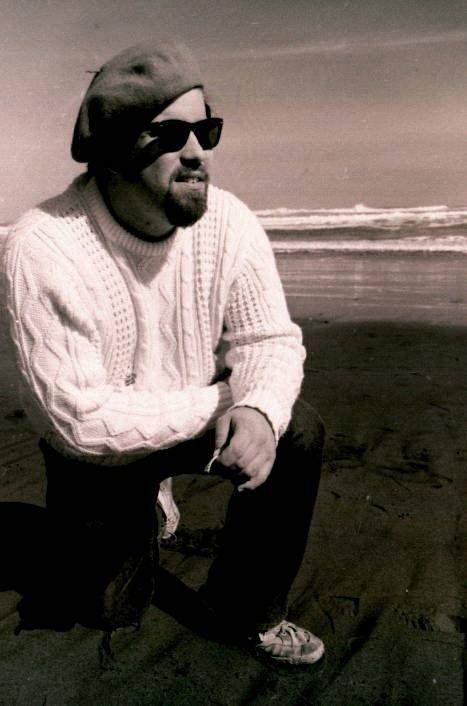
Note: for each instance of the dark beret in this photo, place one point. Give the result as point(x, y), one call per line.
point(126, 94)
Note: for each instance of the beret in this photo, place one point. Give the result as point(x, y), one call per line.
point(126, 94)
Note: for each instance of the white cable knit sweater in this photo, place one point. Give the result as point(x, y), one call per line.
point(118, 341)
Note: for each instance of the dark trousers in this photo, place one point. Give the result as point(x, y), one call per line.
point(108, 530)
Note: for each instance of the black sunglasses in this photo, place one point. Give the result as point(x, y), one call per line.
point(172, 135)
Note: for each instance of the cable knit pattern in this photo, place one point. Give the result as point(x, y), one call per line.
point(119, 341)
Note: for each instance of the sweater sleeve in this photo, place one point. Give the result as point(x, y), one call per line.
point(59, 355)
point(265, 351)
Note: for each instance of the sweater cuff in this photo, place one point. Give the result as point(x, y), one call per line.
point(273, 410)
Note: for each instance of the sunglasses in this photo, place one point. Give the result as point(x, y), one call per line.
point(172, 135)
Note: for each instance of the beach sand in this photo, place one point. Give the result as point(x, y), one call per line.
point(384, 577)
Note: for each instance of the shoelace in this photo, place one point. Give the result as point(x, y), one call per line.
point(290, 632)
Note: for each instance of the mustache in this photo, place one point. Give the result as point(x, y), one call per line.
point(185, 174)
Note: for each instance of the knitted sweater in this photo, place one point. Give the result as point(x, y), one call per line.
point(119, 341)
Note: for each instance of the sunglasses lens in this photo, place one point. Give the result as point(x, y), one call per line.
point(208, 132)
point(172, 135)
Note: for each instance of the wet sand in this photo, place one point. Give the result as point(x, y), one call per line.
point(384, 578)
point(425, 287)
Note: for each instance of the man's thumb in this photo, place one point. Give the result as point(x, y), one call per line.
point(222, 431)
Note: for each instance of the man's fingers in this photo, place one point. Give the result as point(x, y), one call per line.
point(250, 459)
point(238, 445)
point(232, 456)
point(255, 476)
point(257, 480)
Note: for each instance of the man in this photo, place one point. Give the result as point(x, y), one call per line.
point(152, 335)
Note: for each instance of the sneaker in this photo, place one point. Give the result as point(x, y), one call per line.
point(287, 642)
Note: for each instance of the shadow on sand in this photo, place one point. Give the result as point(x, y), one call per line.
point(41, 561)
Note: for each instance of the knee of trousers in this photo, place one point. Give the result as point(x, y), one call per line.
point(305, 433)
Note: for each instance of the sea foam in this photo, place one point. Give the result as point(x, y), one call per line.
point(453, 244)
point(361, 216)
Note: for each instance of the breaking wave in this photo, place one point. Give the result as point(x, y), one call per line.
point(362, 216)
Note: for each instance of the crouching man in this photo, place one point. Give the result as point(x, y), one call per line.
point(152, 334)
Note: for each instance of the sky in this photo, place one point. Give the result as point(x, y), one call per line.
point(326, 103)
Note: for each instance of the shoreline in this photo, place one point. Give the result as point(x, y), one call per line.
point(377, 286)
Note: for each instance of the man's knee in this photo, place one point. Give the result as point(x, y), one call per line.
point(306, 429)
point(299, 454)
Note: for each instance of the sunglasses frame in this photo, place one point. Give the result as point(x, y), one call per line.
point(157, 129)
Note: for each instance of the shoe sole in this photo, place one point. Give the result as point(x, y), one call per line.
point(286, 665)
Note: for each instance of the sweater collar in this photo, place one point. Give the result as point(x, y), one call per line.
point(112, 230)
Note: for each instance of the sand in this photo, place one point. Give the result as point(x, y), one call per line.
point(384, 578)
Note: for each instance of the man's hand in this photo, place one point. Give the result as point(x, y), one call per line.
point(248, 445)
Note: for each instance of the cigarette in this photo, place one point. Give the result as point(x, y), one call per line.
point(208, 467)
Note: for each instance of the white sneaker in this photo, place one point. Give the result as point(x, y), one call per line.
point(287, 642)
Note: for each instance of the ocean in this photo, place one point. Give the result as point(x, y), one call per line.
point(371, 263)
point(366, 263)
point(365, 229)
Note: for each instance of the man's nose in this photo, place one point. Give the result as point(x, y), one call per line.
point(192, 152)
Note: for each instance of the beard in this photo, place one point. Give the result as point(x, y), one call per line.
point(185, 203)
point(184, 209)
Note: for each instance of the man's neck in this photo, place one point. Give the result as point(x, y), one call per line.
point(134, 211)
point(148, 235)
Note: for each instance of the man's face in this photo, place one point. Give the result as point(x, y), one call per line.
point(177, 182)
